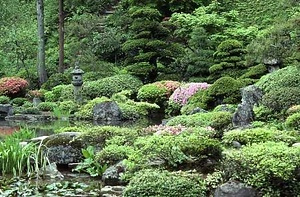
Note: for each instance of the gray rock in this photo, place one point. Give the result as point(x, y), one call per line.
point(197, 110)
point(110, 191)
point(64, 148)
point(296, 144)
point(107, 111)
point(6, 109)
point(236, 144)
point(50, 171)
point(234, 189)
point(112, 175)
point(244, 114)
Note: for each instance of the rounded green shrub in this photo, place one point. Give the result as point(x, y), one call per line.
point(217, 120)
point(112, 154)
point(4, 99)
point(110, 85)
point(152, 93)
point(190, 149)
point(282, 78)
point(99, 135)
point(68, 106)
point(225, 90)
point(271, 167)
point(18, 101)
point(55, 80)
point(257, 135)
point(255, 72)
point(60, 93)
point(47, 106)
point(280, 99)
point(152, 182)
point(293, 121)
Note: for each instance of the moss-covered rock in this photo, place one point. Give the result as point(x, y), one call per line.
point(64, 148)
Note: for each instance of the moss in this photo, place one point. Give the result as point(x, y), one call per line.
point(64, 139)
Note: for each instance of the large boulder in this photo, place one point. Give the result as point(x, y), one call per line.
point(234, 189)
point(107, 111)
point(64, 148)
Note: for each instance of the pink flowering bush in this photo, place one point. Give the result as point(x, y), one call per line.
point(183, 93)
point(161, 129)
point(13, 86)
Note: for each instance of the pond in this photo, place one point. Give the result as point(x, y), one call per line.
point(72, 184)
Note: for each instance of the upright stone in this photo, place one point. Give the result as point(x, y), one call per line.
point(244, 114)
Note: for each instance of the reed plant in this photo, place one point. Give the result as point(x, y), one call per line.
point(18, 158)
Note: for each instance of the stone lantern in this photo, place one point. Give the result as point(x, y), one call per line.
point(77, 82)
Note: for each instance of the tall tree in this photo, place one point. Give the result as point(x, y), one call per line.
point(61, 36)
point(41, 43)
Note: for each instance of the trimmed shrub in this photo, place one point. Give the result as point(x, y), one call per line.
point(4, 99)
point(110, 85)
point(157, 92)
point(255, 72)
point(152, 182)
point(263, 113)
point(293, 121)
point(132, 110)
point(99, 135)
point(47, 106)
point(112, 154)
point(18, 101)
point(280, 99)
point(270, 167)
point(257, 135)
point(217, 120)
point(67, 106)
point(191, 149)
point(55, 80)
point(153, 93)
point(225, 90)
point(13, 87)
point(282, 78)
point(60, 93)
point(195, 101)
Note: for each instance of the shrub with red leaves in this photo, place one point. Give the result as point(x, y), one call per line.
point(13, 86)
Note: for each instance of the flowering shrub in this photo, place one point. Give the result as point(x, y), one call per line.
point(13, 86)
point(171, 86)
point(35, 93)
point(183, 93)
point(161, 129)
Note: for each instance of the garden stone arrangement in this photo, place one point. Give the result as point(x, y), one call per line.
point(150, 98)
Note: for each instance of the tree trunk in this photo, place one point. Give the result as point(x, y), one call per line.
point(41, 68)
point(61, 66)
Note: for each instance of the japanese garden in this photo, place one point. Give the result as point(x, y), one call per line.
point(150, 98)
